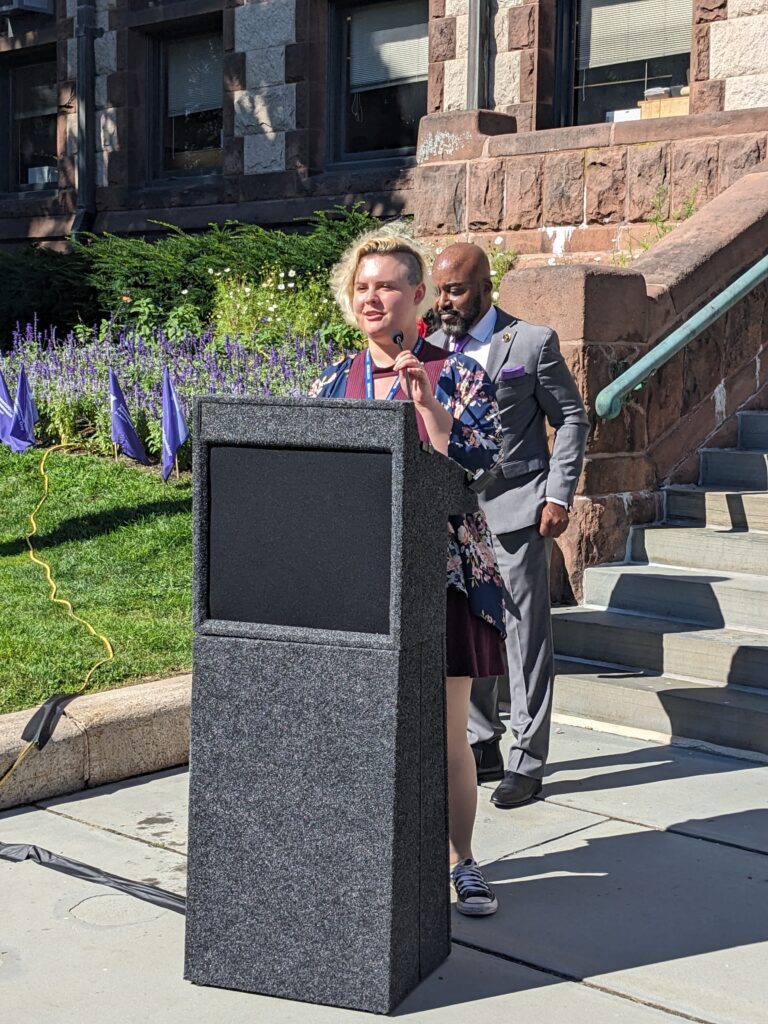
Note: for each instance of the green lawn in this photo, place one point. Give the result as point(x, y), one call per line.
point(118, 541)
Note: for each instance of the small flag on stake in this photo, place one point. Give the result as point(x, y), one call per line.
point(21, 433)
point(6, 411)
point(123, 430)
point(174, 426)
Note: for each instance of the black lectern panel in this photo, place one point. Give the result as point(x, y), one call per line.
point(300, 537)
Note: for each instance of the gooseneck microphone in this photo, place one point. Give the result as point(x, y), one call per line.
point(399, 339)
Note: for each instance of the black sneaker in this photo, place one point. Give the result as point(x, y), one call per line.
point(473, 895)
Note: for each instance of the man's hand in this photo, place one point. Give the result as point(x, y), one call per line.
point(554, 520)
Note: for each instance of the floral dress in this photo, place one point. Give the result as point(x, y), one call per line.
point(465, 390)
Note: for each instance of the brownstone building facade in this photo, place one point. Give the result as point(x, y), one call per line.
point(120, 113)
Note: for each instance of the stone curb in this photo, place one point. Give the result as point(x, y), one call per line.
point(101, 737)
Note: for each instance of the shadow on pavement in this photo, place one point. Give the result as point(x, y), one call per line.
point(638, 768)
point(617, 902)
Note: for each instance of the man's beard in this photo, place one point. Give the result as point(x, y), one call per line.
point(461, 325)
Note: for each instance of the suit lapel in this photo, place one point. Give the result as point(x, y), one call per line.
point(438, 338)
point(503, 335)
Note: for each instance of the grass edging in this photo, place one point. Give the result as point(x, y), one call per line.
point(102, 737)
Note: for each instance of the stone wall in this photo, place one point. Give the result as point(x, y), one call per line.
point(738, 55)
point(275, 115)
point(519, 48)
point(607, 318)
point(596, 188)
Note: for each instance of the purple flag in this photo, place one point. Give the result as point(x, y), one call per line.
point(174, 426)
point(6, 411)
point(21, 433)
point(123, 430)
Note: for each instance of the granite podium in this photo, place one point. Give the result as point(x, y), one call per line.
point(318, 846)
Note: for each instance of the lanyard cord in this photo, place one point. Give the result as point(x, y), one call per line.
point(369, 391)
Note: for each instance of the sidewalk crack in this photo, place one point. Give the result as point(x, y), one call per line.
point(111, 831)
point(563, 976)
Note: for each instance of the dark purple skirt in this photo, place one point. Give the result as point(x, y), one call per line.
point(473, 646)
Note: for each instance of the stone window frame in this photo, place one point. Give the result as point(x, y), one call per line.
point(156, 36)
point(45, 53)
point(337, 158)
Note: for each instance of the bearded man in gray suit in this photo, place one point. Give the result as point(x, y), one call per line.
point(525, 498)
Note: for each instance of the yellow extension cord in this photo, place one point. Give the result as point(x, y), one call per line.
point(27, 750)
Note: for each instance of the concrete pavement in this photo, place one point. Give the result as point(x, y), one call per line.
point(636, 892)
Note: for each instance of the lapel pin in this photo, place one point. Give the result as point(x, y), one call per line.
point(506, 336)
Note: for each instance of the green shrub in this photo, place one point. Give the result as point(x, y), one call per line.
point(265, 311)
point(133, 275)
point(45, 284)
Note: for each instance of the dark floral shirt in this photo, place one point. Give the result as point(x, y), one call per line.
point(465, 390)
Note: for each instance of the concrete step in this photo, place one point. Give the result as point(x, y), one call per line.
point(692, 547)
point(731, 467)
point(708, 506)
point(721, 715)
point(753, 430)
point(735, 600)
point(714, 656)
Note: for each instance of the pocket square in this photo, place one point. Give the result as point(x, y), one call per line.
point(511, 372)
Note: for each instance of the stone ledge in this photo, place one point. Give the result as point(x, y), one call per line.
point(101, 738)
point(459, 134)
point(661, 129)
point(694, 261)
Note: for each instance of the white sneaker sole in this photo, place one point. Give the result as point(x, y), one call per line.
point(478, 909)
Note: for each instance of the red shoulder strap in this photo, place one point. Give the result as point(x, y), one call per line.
point(356, 377)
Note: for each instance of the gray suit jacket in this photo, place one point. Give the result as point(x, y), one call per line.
point(526, 474)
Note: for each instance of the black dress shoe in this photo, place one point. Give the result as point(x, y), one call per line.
point(515, 790)
point(488, 760)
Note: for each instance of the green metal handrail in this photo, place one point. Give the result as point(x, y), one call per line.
point(610, 400)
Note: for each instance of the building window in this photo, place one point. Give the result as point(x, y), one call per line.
point(381, 94)
point(191, 70)
point(34, 104)
point(629, 52)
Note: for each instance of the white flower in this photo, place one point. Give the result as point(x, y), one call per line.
point(281, 287)
point(210, 270)
point(291, 284)
point(185, 291)
point(291, 273)
point(495, 296)
point(498, 240)
point(268, 319)
point(493, 273)
point(597, 259)
point(438, 250)
point(282, 273)
point(247, 291)
point(551, 261)
point(271, 309)
point(227, 270)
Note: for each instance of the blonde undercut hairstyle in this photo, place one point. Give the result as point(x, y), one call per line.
point(385, 242)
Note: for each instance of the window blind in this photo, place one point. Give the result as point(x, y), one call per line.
point(195, 75)
point(388, 44)
point(620, 31)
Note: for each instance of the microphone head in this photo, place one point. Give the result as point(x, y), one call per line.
point(398, 337)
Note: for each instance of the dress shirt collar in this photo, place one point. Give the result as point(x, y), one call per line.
point(483, 329)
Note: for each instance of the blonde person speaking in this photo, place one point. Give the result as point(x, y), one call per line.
point(382, 286)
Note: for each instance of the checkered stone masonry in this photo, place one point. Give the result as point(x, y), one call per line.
point(265, 110)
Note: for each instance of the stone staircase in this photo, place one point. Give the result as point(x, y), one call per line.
point(675, 640)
